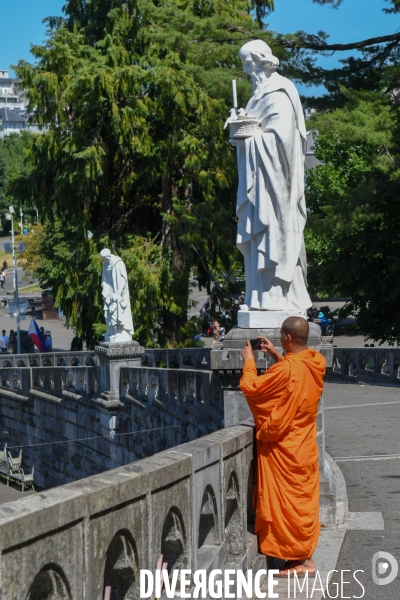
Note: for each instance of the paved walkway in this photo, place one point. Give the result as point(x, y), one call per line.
point(363, 436)
point(61, 336)
point(9, 493)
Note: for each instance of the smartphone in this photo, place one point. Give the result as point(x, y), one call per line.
point(256, 344)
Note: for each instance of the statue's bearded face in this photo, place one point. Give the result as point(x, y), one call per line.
point(251, 66)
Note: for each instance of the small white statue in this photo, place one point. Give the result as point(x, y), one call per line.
point(271, 137)
point(115, 291)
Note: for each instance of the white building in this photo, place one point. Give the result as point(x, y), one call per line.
point(11, 122)
point(310, 162)
point(15, 121)
point(11, 96)
point(14, 116)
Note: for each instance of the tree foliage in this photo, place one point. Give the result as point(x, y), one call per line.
point(353, 230)
point(135, 94)
point(374, 68)
point(353, 238)
point(13, 151)
point(334, 3)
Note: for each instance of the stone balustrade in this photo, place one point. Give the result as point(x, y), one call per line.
point(184, 492)
point(158, 409)
point(191, 504)
point(177, 358)
point(23, 382)
point(49, 359)
point(161, 398)
point(375, 365)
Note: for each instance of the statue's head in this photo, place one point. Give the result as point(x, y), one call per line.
point(106, 255)
point(257, 57)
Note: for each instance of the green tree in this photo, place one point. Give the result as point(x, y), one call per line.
point(353, 238)
point(135, 94)
point(13, 151)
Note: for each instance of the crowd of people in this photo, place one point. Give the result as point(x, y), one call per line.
point(219, 323)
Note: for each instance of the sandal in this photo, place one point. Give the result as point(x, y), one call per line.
point(298, 569)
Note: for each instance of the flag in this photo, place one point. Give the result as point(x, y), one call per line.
point(37, 336)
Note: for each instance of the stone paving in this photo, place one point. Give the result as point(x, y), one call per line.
point(60, 334)
point(362, 434)
point(9, 493)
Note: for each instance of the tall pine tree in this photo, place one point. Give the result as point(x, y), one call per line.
point(134, 94)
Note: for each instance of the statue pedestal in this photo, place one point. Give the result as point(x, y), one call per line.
point(113, 356)
point(266, 319)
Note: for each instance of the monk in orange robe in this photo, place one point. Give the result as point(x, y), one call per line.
point(284, 403)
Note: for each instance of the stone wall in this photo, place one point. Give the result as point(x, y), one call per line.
point(189, 501)
point(41, 408)
point(48, 401)
point(49, 359)
point(374, 365)
point(191, 504)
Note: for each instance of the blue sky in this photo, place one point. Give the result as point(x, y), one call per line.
point(354, 20)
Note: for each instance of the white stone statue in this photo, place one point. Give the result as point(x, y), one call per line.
point(115, 291)
point(270, 136)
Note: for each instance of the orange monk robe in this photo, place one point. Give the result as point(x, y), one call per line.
point(284, 403)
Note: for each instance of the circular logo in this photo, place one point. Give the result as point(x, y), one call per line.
point(384, 568)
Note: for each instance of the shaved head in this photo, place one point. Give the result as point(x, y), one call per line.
point(297, 328)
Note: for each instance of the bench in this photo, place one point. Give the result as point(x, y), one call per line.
point(3, 454)
point(26, 480)
point(11, 469)
point(14, 463)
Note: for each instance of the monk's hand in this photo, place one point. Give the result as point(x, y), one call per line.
point(267, 346)
point(247, 352)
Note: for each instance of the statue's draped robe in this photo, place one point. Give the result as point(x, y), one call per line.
point(115, 291)
point(270, 202)
point(284, 402)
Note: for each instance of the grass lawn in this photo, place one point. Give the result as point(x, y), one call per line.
point(30, 289)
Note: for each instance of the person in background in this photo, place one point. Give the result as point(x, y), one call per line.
point(9, 346)
point(204, 310)
point(2, 280)
point(48, 342)
point(4, 340)
point(216, 329)
point(76, 344)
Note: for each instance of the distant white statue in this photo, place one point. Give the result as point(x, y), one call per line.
point(115, 291)
point(270, 136)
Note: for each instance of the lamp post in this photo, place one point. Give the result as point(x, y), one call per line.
point(37, 214)
point(15, 279)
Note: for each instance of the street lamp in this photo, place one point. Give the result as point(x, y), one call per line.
point(37, 214)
